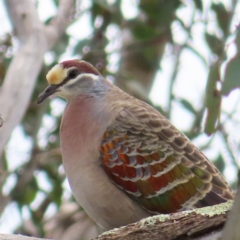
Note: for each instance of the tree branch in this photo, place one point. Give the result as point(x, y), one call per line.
point(202, 224)
point(24, 18)
point(60, 22)
point(35, 39)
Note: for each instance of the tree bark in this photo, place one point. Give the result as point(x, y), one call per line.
point(198, 224)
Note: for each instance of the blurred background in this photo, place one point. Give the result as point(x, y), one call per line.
point(179, 56)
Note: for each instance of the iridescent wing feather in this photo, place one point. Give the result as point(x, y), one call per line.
point(156, 165)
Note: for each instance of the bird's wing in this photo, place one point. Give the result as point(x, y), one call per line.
point(155, 164)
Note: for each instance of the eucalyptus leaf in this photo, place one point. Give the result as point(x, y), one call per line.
point(232, 76)
point(213, 100)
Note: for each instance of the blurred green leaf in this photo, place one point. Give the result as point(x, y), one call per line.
point(215, 44)
point(100, 8)
point(232, 76)
point(103, 4)
point(142, 31)
point(237, 39)
point(56, 194)
point(25, 195)
point(223, 16)
point(78, 48)
point(163, 12)
point(219, 163)
point(213, 100)
point(56, 181)
point(2, 71)
point(186, 104)
point(198, 4)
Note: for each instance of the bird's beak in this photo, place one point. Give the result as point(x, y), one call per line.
point(47, 92)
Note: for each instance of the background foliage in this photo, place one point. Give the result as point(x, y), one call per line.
point(131, 52)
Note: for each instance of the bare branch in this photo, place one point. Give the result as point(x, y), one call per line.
point(61, 21)
point(35, 40)
point(198, 224)
point(24, 18)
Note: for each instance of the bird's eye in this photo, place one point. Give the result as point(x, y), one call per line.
point(72, 73)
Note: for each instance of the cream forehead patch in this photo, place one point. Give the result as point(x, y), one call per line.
point(56, 75)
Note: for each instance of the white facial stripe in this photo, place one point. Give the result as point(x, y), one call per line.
point(89, 75)
point(56, 75)
point(81, 76)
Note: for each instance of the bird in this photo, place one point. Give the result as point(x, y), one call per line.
point(123, 159)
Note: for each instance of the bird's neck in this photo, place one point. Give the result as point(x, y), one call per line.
point(83, 124)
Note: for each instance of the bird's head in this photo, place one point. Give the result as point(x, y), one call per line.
point(72, 78)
